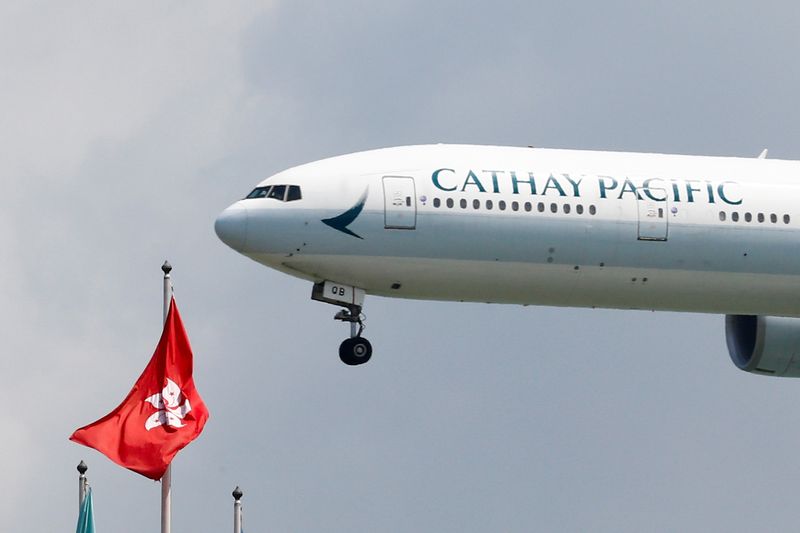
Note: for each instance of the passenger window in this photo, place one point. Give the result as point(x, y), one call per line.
point(773, 218)
point(785, 219)
point(528, 206)
point(294, 193)
point(722, 216)
point(450, 202)
point(463, 203)
point(748, 217)
point(553, 208)
point(579, 209)
point(476, 204)
point(515, 206)
point(501, 205)
point(540, 207)
point(566, 209)
point(592, 210)
point(436, 202)
point(761, 217)
point(735, 216)
point(489, 204)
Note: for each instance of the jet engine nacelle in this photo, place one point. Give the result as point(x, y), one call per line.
point(766, 345)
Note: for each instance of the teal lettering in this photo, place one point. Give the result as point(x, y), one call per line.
point(628, 186)
point(691, 190)
point(649, 192)
point(575, 185)
point(676, 192)
point(552, 183)
point(515, 182)
point(494, 173)
point(472, 179)
point(435, 179)
point(723, 196)
point(710, 189)
point(604, 188)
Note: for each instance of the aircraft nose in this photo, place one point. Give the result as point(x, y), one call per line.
point(231, 226)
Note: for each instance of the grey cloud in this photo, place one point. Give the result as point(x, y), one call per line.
point(470, 417)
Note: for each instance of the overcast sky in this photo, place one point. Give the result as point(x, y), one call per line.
point(126, 130)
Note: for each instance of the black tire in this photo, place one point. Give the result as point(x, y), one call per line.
point(355, 351)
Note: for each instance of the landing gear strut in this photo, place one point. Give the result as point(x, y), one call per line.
point(356, 350)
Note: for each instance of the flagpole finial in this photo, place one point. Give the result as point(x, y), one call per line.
point(82, 468)
point(237, 493)
point(166, 268)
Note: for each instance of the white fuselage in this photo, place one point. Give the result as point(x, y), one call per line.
point(536, 226)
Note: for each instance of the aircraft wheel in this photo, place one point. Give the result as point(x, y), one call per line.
point(355, 351)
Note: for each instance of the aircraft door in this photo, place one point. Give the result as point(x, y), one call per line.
point(400, 203)
point(653, 220)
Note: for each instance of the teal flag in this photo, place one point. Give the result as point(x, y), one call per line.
point(86, 516)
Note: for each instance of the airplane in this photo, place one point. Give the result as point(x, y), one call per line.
point(535, 226)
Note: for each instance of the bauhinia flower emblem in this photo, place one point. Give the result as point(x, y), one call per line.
point(170, 411)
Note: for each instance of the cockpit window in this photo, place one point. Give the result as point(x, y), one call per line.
point(277, 192)
point(284, 193)
point(294, 193)
point(258, 192)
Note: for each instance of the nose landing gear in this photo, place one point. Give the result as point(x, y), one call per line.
point(356, 350)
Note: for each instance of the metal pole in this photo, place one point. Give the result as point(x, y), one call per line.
point(82, 468)
point(237, 510)
point(166, 480)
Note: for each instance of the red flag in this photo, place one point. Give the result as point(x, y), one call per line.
point(162, 413)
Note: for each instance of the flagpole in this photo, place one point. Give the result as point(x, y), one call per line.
point(237, 510)
point(166, 480)
point(82, 468)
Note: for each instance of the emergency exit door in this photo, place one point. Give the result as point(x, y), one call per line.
point(653, 216)
point(400, 203)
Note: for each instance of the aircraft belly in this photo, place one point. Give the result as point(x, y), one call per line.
point(552, 284)
point(559, 262)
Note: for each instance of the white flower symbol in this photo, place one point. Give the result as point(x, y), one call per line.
point(170, 412)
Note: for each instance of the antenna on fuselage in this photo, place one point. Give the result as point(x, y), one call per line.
point(763, 154)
